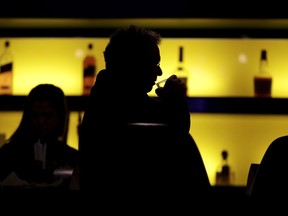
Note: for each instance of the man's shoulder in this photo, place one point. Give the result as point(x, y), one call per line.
point(280, 141)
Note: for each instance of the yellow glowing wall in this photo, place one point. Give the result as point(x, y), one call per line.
point(9, 121)
point(53, 60)
point(218, 67)
point(225, 67)
point(246, 137)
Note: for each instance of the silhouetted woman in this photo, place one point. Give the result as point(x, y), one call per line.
point(38, 146)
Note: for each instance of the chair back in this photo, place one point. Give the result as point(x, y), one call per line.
point(151, 160)
point(251, 177)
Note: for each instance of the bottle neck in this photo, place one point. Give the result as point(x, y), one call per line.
point(263, 64)
point(180, 66)
point(264, 67)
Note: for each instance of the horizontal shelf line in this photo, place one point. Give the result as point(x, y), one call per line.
point(241, 105)
point(232, 105)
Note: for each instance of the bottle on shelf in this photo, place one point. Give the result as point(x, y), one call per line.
point(89, 70)
point(263, 79)
point(181, 71)
point(6, 70)
point(224, 174)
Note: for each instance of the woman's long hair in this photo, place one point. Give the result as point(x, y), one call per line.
point(42, 92)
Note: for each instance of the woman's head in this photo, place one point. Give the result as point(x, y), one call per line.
point(45, 114)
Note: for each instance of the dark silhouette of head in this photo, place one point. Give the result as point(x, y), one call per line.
point(45, 115)
point(133, 56)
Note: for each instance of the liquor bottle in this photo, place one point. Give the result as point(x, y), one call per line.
point(263, 79)
point(181, 71)
point(89, 70)
point(6, 69)
point(224, 175)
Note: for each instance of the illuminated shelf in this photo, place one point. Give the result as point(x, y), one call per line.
point(15, 103)
point(241, 105)
point(244, 105)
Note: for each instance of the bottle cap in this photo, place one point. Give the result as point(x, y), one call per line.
point(224, 154)
point(7, 43)
point(264, 55)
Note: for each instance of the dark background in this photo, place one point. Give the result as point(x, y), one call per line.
point(142, 9)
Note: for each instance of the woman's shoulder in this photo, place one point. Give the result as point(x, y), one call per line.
point(63, 147)
point(5, 148)
point(71, 149)
point(9, 147)
point(71, 155)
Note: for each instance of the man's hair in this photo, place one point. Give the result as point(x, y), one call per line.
point(129, 45)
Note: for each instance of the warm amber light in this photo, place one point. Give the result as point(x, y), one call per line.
point(218, 67)
point(51, 60)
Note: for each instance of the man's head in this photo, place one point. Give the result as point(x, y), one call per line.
point(134, 56)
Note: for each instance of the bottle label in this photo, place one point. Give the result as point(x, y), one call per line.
point(90, 70)
point(6, 68)
point(89, 74)
point(6, 79)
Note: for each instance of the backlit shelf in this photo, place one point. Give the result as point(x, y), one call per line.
point(233, 105)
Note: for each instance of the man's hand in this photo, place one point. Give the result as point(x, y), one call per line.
point(173, 88)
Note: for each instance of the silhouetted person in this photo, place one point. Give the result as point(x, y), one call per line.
point(136, 148)
point(270, 186)
point(38, 146)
